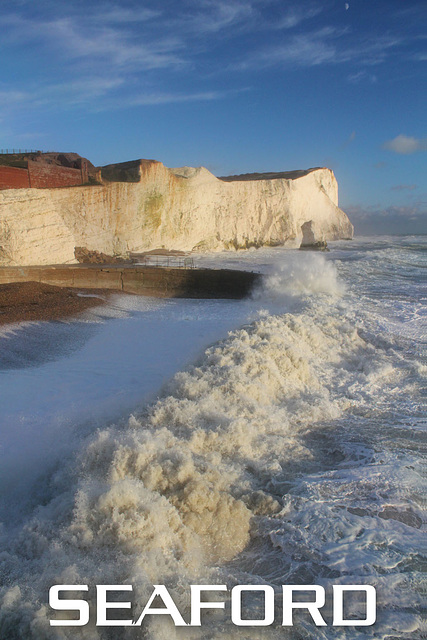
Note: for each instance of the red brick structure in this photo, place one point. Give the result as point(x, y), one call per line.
point(46, 171)
point(14, 178)
point(49, 176)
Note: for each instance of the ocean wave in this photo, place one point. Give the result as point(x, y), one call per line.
point(170, 495)
point(278, 457)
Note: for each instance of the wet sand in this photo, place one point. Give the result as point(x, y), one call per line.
point(23, 301)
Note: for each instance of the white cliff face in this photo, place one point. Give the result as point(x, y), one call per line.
point(176, 208)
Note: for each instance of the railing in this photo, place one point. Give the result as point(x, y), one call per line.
point(177, 262)
point(6, 152)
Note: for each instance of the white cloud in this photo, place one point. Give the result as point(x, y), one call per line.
point(405, 144)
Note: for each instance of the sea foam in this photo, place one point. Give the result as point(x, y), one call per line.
point(276, 457)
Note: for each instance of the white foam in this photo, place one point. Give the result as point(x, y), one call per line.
point(275, 457)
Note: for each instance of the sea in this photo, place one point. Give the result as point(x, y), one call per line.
point(277, 440)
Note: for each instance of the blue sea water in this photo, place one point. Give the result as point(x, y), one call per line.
point(277, 440)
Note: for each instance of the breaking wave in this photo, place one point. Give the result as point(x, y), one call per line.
point(258, 464)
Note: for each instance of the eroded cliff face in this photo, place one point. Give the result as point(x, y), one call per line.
point(182, 208)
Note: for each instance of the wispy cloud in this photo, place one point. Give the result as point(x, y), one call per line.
point(329, 45)
point(362, 76)
point(308, 49)
point(212, 16)
point(293, 16)
point(405, 145)
point(168, 98)
point(147, 38)
point(81, 57)
point(370, 50)
point(90, 40)
point(101, 52)
point(117, 15)
point(69, 94)
point(77, 92)
point(404, 187)
point(95, 94)
point(348, 142)
point(420, 56)
point(11, 97)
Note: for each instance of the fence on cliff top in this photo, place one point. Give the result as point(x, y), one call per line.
point(6, 152)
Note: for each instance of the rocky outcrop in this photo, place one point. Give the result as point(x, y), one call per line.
point(183, 208)
point(312, 240)
point(88, 256)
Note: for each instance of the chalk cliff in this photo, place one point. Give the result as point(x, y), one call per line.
point(144, 205)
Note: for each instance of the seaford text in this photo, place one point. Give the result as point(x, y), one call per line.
point(286, 604)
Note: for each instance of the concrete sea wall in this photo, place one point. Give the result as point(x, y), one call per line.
point(149, 281)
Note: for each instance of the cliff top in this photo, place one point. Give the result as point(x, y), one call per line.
point(132, 170)
point(56, 158)
point(284, 175)
point(129, 171)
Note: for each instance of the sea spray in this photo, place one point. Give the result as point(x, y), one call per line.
point(295, 275)
point(169, 494)
point(278, 457)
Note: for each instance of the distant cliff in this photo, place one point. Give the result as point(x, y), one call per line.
point(142, 205)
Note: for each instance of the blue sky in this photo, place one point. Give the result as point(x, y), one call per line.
point(234, 85)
